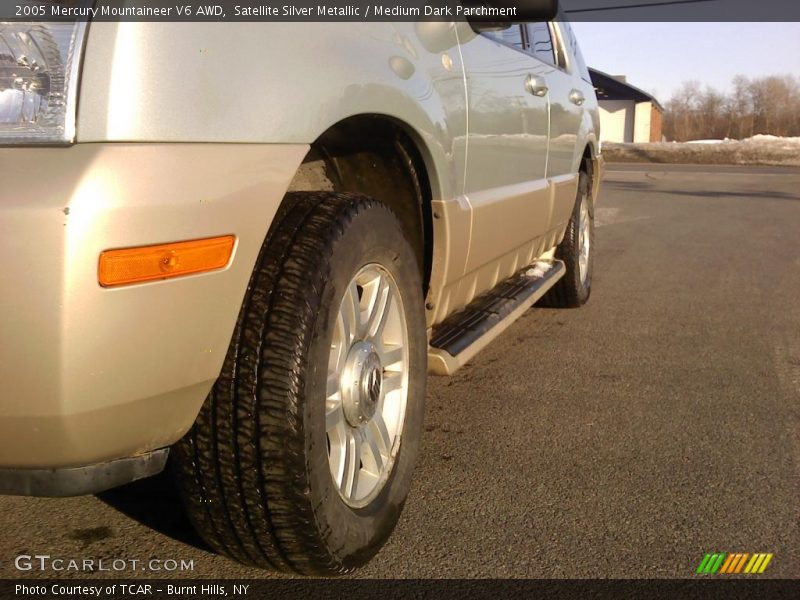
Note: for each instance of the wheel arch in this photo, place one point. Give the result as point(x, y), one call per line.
point(590, 164)
point(382, 157)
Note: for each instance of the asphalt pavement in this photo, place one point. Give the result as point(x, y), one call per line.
point(627, 438)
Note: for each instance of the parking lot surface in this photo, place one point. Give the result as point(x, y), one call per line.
point(624, 439)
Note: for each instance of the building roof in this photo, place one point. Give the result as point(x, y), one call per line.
point(611, 87)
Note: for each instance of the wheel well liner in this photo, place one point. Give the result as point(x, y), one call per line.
point(377, 156)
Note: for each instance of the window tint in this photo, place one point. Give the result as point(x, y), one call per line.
point(540, 43)
point(512, 36)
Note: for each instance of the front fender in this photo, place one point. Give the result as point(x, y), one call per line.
point(273, 83)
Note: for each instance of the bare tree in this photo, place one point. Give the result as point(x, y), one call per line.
point(765, 105)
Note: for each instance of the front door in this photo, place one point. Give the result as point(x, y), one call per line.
point(506, 146)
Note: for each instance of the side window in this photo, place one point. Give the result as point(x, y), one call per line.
point(575, 52)
point(540, 44)
point(511, 36)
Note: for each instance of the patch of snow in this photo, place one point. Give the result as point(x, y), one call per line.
point(539, 269)
point(773, 139)
point(759, 149)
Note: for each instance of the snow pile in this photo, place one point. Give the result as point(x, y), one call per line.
point(756, 139)
point(788, 143)
point(708, 141)
point(756, 150)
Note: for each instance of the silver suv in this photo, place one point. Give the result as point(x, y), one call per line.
point(242, 246)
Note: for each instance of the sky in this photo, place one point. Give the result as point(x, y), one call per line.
point(658, 57)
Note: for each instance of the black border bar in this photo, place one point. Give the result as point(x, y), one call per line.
point(706, 588)
point(300, 11)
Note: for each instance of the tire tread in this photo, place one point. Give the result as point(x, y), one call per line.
point(241, 467)
point(568, 291)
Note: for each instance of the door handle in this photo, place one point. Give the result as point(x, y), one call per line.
point(536, 85)
point(577, 97)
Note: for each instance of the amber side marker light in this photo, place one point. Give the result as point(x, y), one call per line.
point(164, 261)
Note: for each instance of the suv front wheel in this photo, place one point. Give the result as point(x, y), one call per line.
point(301, 457)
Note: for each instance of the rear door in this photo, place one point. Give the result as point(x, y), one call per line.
point(567, 105)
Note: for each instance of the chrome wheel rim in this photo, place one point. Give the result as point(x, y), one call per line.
point(367, 389)
point(584, 240)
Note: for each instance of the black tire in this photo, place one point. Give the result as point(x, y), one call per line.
point(571, 291)
point(253, 471)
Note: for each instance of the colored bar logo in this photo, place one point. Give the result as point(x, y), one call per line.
point(733, 563)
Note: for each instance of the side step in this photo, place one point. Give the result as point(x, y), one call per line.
point(462, 335)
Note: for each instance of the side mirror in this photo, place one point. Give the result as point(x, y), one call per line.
point(516, 11)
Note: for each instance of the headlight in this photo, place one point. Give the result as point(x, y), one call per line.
point(38, 81)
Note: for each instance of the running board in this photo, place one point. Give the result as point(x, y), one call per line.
point(462, 335)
